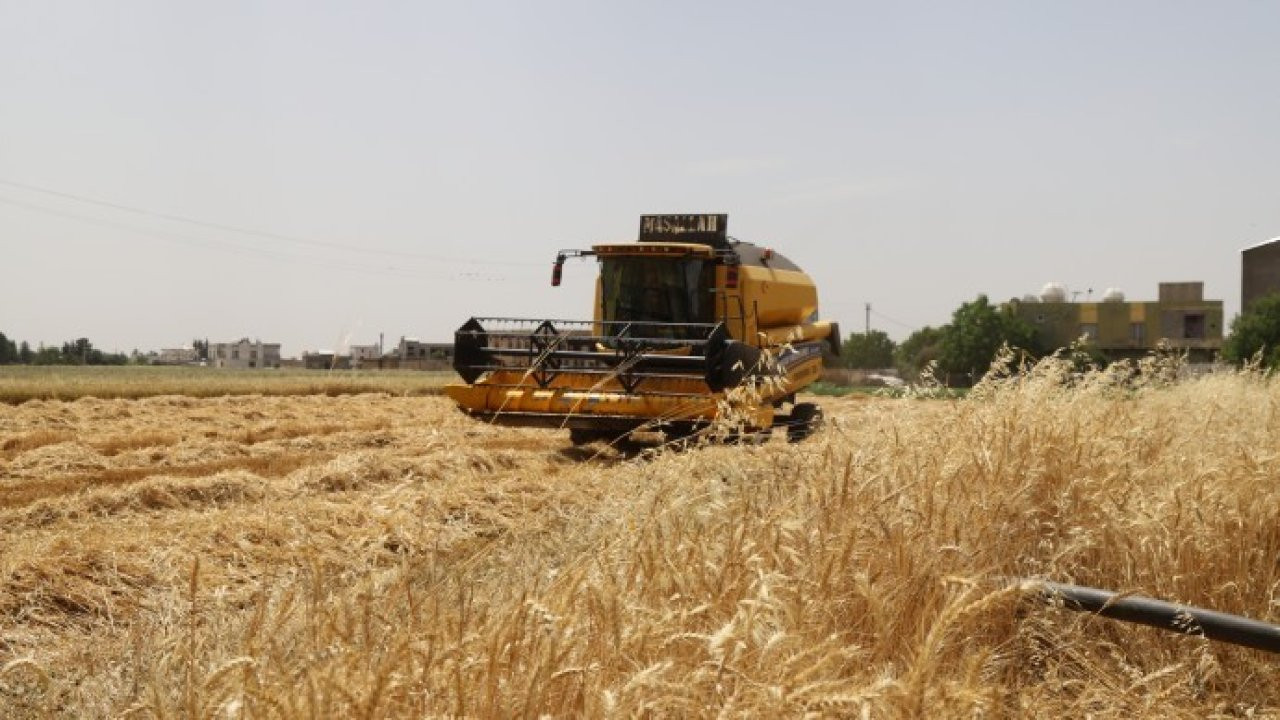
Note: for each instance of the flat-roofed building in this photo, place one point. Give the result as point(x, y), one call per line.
point(412, 354)
point(1180, 316)
point(414, 349)
point(244, 354)
point(177, 356)
point(325, 360)
point(1260, 272)
point(361, 354)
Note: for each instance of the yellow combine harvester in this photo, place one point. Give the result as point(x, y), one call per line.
point(689, 325)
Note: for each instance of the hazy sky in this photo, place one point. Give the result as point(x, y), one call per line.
point(410, 164)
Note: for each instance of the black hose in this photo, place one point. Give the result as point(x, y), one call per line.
point(1167, 616)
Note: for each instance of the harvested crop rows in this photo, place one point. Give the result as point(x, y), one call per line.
point(382, 556)
point(106, 505)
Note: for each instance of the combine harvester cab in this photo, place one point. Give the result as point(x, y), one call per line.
point(688, 326)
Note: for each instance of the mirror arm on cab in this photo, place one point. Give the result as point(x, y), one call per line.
point(557, 268)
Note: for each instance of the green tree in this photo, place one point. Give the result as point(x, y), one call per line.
point(868, 351)
point(82, 352)
point(1256, 330)
point(77, 352)
point(8, 351)
point(47, 356)
point(919, 349)
point(24, 353)
point(976, 332)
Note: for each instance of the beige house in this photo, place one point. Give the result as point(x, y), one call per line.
point(176, 356)
point(244, 354)
point(1180, 316)
point(361, 354)
point(414, 349)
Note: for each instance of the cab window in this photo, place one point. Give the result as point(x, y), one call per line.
point(657, 290)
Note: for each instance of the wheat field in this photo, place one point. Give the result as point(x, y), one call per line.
point(20, 383)
point(383, 556)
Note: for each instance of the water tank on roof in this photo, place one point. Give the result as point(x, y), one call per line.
point(1029, 298)
point(1053, 292)
point(1113, 295)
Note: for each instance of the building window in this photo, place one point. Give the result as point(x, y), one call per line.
point(1193, 327)
point(235, 354)
point(1089, 331)
point(1138, 333)
point(253, 354)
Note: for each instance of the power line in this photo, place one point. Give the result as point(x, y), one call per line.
point(247, 231)
point(251, 251)
point(882, 316)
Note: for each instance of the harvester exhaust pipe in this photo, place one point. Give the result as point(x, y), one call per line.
point(1181, 619)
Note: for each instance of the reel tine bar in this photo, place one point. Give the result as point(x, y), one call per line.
point(544, 349)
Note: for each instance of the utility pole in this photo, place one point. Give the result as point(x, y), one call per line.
point(868, 330)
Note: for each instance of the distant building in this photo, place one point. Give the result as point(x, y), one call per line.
point(325, 360)
point(1260, 272)
point(361, 354)
point(176, 356)
point(411, 354)
point(1121, 328)
point(244, 354)
point(411, 349)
